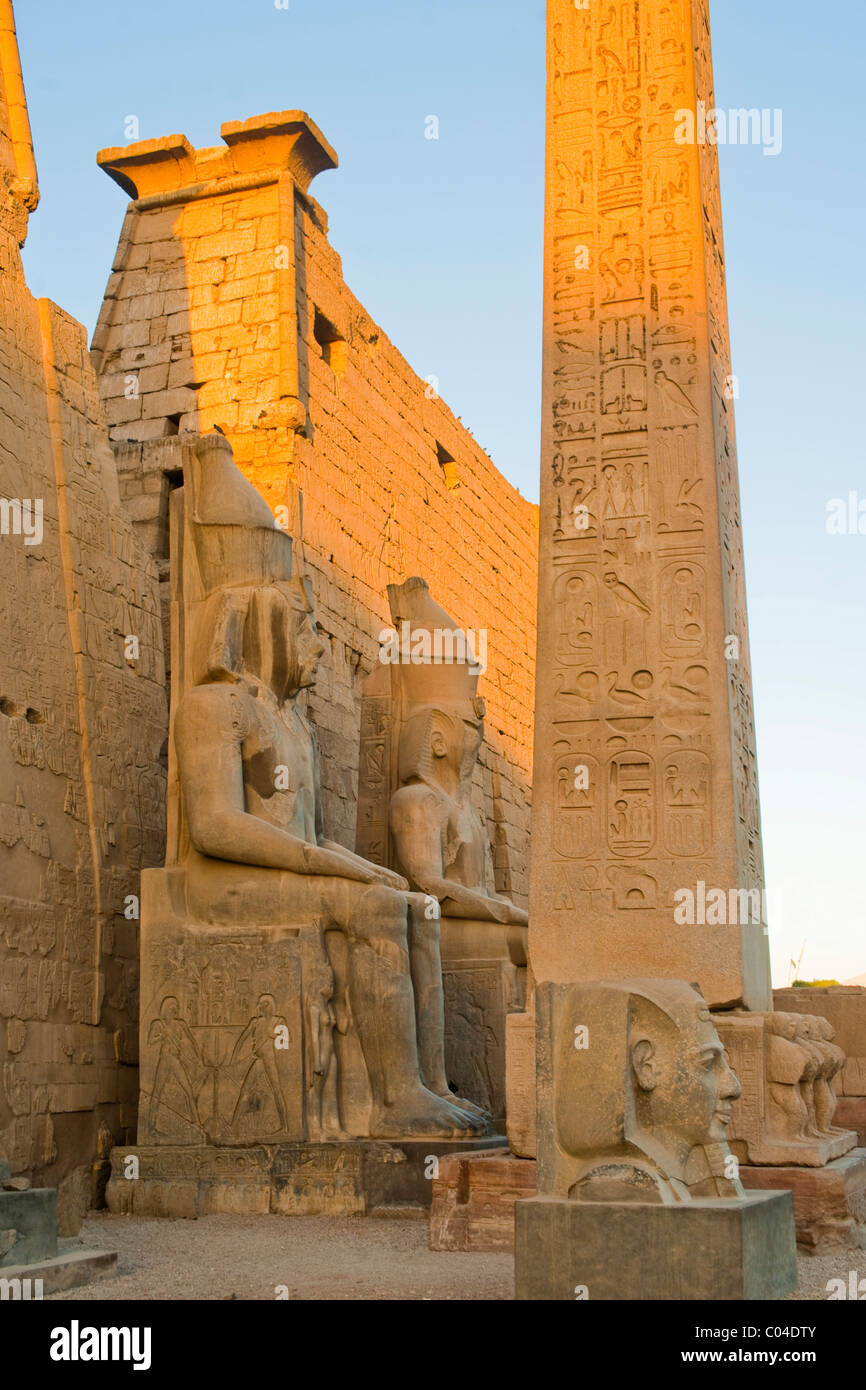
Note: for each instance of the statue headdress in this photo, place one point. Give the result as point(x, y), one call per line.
point(448, 681)
point(243, 559)
point(237, 541)
point(587, 1081)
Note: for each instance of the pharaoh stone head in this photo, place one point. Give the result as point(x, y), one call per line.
point(441, 714)
point(436, 740)
point(259, 637)
point(255, 621)
point(683, 1086)
point(642, 1093)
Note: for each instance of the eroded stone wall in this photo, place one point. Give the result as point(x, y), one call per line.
point(82, 711)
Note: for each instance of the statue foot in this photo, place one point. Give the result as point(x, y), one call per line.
point(469, 1106)
point(420, 1113)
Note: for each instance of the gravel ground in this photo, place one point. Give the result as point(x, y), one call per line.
point(315, 1257)
point(320, 1258)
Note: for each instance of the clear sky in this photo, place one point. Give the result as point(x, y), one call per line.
point(441, 240)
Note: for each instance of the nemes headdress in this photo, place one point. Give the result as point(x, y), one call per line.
point(244, 559)
point(586, 1033)
point(590, 1118)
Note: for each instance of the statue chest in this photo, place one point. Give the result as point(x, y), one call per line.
point(463, 847)
point(279, 757)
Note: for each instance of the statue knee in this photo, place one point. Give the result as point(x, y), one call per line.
point(381, 915)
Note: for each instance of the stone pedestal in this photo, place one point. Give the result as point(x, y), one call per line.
point(202, 1018)
point(520, 1089)
point(729, 1249)
point(850, 1113)
point(480, 996)
point(32, 1260)
point(68, 1269)
point(474, 1197)
point(362, 1177)
point(28, 1226)
point(829, 1202)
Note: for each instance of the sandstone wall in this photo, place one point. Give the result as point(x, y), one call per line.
point(81, 726)
point(227, 307)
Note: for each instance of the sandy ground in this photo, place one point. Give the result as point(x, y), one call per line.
point(313, 1257)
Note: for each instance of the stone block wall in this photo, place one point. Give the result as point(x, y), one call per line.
point(82, 713)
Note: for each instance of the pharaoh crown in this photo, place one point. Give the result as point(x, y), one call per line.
point(237, 541)
point(449, 683)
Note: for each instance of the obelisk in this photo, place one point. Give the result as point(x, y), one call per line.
point(645, 781)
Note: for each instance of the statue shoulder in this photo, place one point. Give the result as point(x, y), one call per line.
point(622, 1181)
point(413, 802)
point(217, 709)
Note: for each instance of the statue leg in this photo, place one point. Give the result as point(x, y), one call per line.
point(425, 963)
point(425, 960)
point(383, 1007)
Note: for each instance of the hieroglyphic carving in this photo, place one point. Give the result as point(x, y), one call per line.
point(641, 558)
point(223, 1062)
point(81, 720)
point(748, 823)
point(478, 996)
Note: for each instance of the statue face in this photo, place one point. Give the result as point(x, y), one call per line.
point(309, 649)
point(473, 737)
point(687, 1079)
point(458, 743)
point(298, 648)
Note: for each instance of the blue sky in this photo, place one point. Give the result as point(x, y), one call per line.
point(441, 240)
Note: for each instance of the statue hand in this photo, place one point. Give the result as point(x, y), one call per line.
point(517, 916)
point(391, 880)
point(500, 910)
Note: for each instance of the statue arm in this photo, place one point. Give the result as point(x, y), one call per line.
point(417, 834)
point(211, 773)
point(381, 874)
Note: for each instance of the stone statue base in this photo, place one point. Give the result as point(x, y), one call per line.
point(360, 1177)
point(481, 994)
point(829, 1202)
point(474, 1197)
point(32, 1260)
point(850, 1113)
point(727, 1248)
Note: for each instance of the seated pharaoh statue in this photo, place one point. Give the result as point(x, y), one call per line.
point(422, 731)
point(641, 1094)
point(300, 938)
point(439, 841)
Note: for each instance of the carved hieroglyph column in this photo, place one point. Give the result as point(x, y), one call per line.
point(645, 778)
